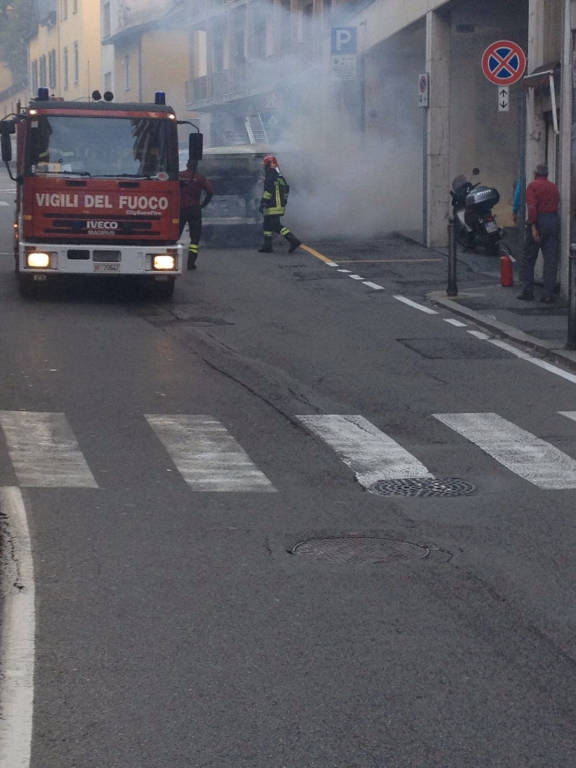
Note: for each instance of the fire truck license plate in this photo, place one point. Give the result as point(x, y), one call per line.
point(106, 267)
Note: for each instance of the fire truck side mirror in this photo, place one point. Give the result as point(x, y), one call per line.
point(195, 146)
point(6, 144)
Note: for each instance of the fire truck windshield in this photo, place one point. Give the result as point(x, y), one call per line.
point(106, 147)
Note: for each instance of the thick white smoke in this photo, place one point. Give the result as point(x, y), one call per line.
point(346, 182)
point(350, 167)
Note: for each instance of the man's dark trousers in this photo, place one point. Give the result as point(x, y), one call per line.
point(548, 229)
point(192, 217)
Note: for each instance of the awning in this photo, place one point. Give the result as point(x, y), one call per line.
point(544, 77)
point(541, 75)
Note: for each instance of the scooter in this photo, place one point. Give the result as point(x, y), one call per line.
point(474, 223)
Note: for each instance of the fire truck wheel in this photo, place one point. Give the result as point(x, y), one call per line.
point(28, 287)
point(164, 290)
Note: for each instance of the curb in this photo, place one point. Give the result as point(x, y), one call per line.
point(545, 349)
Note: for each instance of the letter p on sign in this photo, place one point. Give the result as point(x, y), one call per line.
point(344, 40)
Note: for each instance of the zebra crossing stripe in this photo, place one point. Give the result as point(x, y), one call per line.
point(44, 451)
point(521, 452)
point(370, 453)
point(206, 454)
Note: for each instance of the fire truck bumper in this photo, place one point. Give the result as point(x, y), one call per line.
point(49, 259)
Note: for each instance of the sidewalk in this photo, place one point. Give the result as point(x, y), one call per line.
point(542, 326)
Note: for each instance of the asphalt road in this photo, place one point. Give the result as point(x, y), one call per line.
point(218, 586)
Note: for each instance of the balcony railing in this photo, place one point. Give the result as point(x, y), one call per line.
point(220, 87)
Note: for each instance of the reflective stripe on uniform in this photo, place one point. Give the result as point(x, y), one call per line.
point(284, 231)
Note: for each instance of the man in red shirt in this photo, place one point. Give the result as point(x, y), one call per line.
point(192, 185)
point(542, 224)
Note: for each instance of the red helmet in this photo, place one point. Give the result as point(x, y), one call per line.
point(270, 161)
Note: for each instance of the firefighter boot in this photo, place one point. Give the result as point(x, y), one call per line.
point(192, 256)
point(267, 245)
point(293, 240)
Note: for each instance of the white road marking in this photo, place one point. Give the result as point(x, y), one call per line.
point(568, 414)
point(44, 451)
point(18, 630)
point(411, 303)
point(371, 454)
point(206, 454)
point(345, 271)
point(533, 459)
point(375, 286)
point(457, 323)
point(479, 335)
point(534, 360)
point(356, 277)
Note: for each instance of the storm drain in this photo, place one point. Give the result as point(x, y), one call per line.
point(423, 486)
point(365, 549)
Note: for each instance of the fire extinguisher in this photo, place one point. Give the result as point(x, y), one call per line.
point(506, 270)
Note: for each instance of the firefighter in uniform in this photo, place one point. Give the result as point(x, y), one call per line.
point(273, 205)
point(192, 185)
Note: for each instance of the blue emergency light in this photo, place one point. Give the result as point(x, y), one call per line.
point(43, 94)
point(159, 97)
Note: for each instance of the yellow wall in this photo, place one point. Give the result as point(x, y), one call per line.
point(82, 27)
point(46, 40)
point(165, 66)
point(158, 61)
point(126, 88)
point(9, 98)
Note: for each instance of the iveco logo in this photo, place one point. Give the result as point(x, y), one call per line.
point(106, 225)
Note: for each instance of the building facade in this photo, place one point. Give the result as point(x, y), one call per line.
point(65, 53)
point(145, 49)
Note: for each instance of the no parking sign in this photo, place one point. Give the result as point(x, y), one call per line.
point(503, 62)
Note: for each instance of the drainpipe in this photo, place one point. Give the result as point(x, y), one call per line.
point(569, 228)
point(566, 144)
point(140, 89)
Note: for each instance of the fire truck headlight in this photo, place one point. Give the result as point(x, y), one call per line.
point(38, 259)
point(163, 262)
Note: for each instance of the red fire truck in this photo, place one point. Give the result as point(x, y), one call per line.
point(97, 190)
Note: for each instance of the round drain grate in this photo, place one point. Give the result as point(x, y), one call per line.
point(360, 549)
point(423, 486)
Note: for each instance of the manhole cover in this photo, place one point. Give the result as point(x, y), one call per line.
point(424, 486)
point(360, 549)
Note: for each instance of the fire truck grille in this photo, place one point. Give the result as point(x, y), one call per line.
point(58, 224)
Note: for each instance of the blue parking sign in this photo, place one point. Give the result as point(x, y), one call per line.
point(344, 40)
